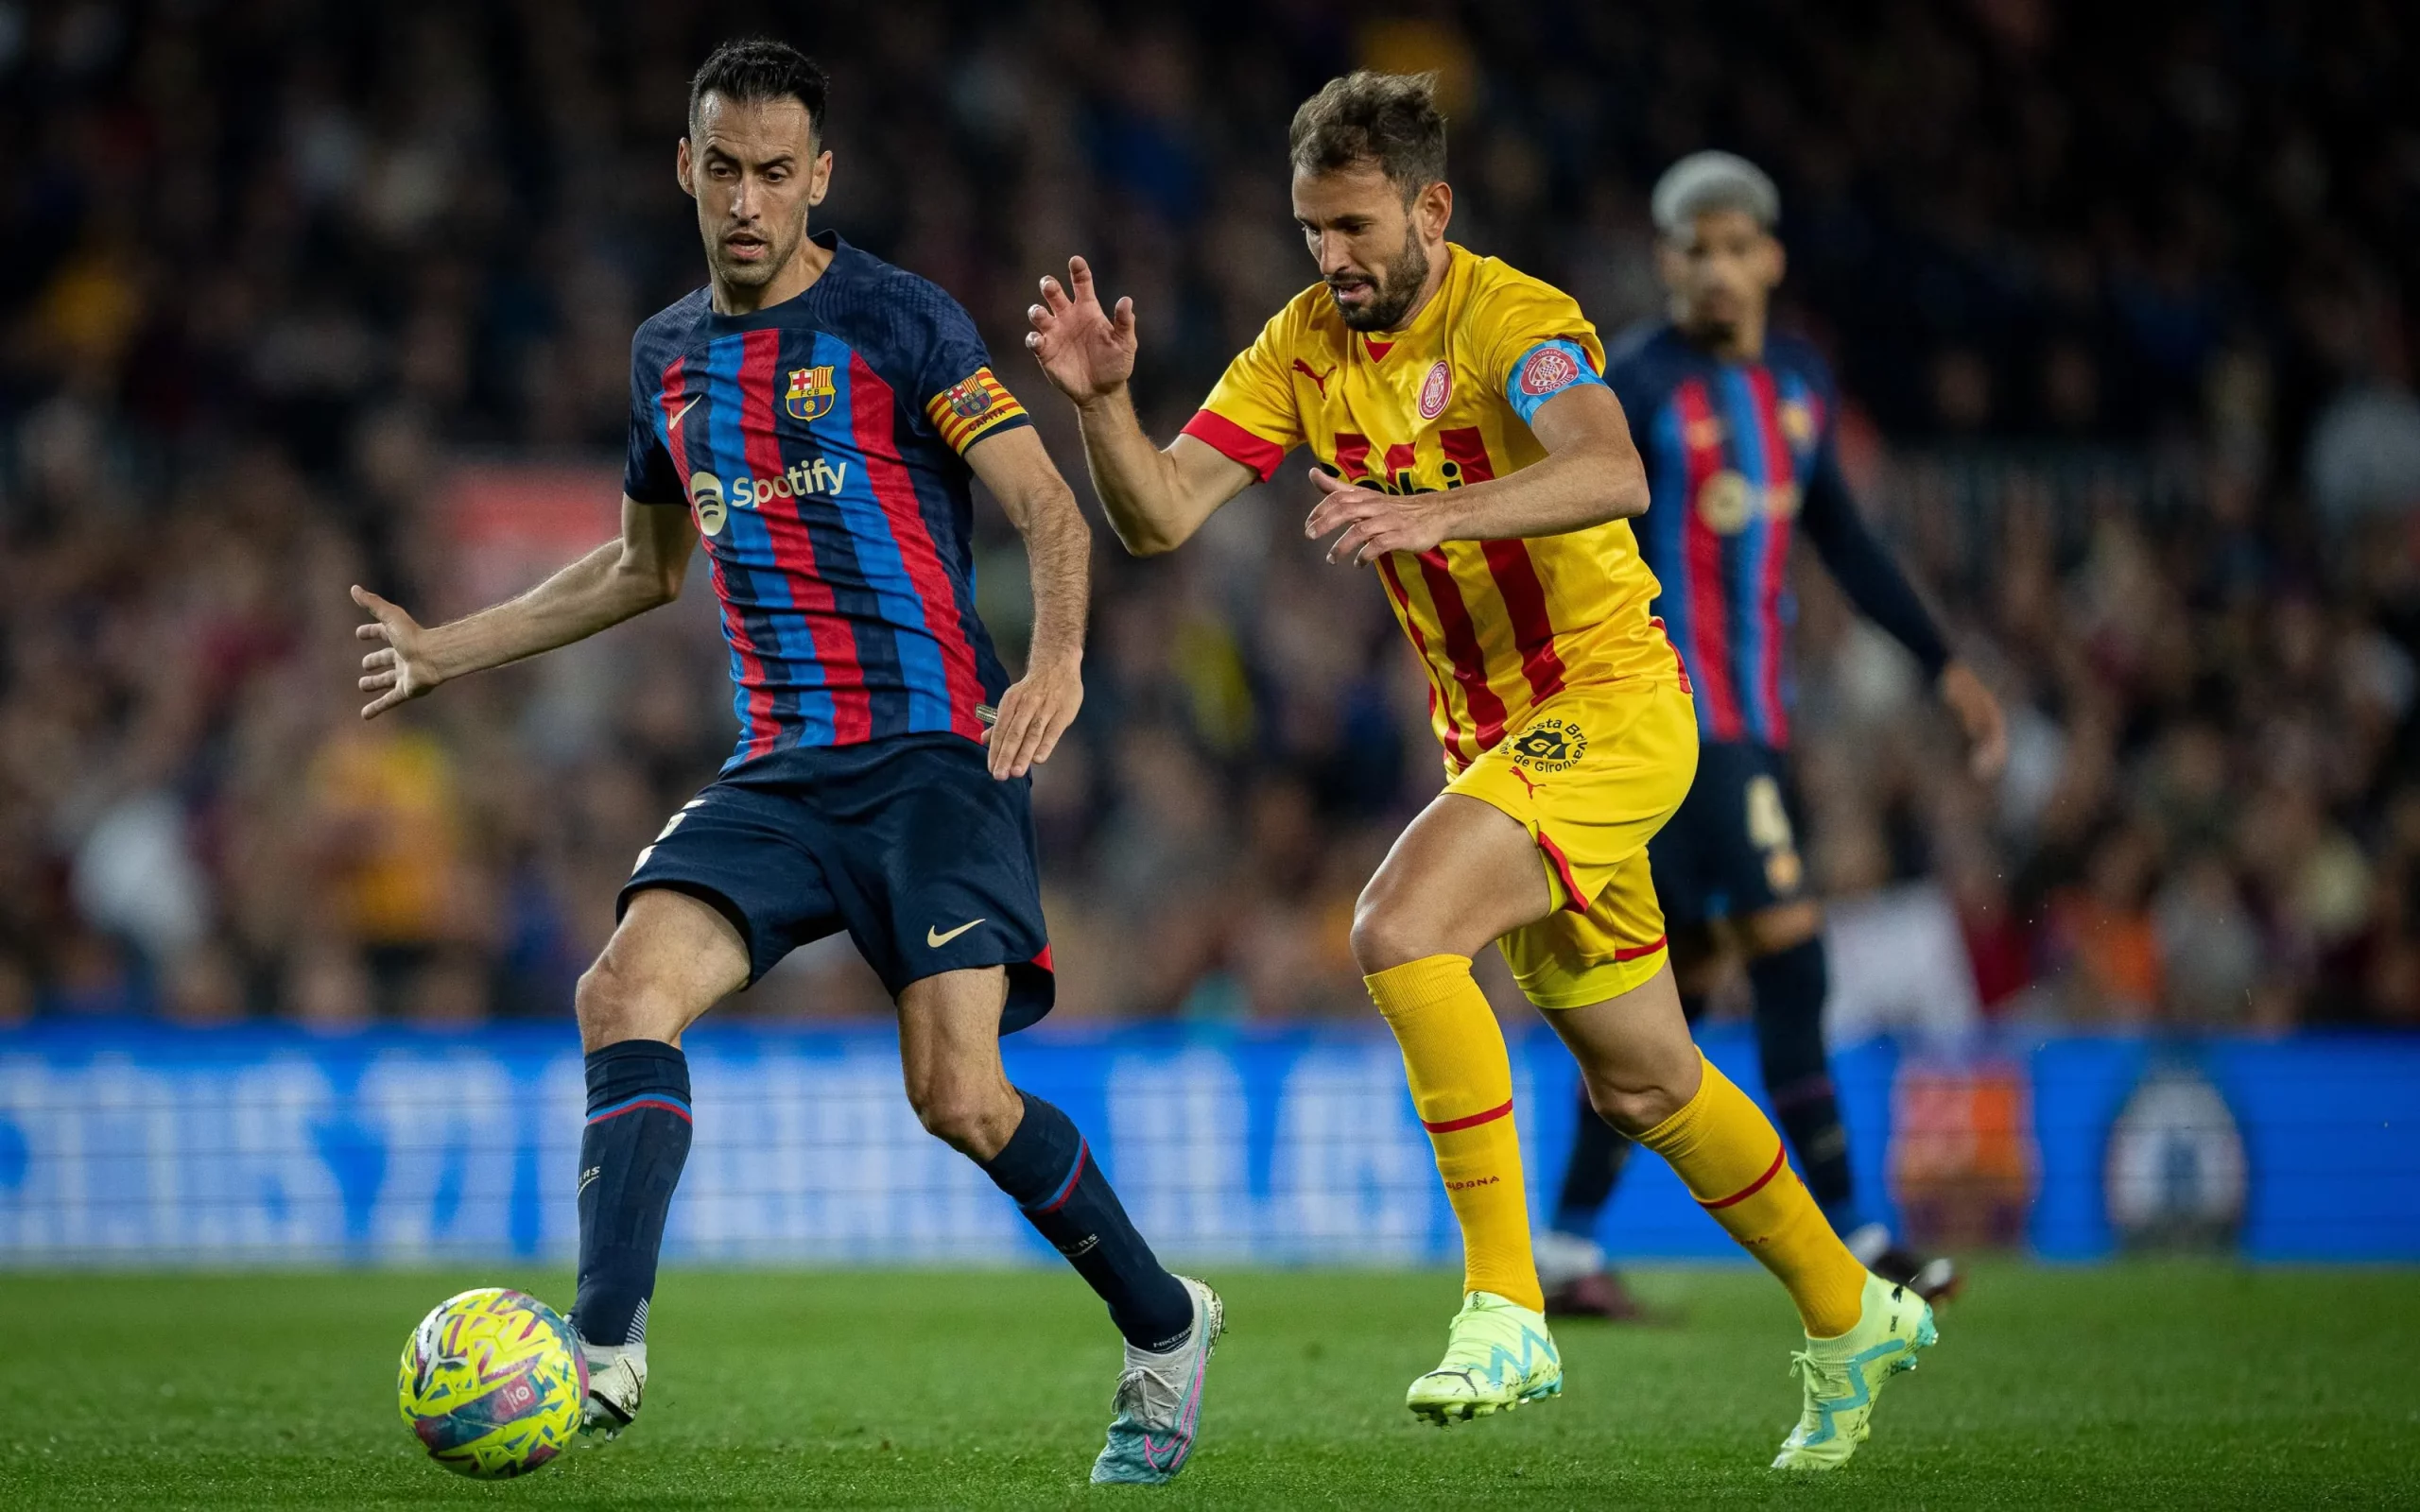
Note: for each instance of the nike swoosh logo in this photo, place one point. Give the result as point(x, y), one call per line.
point(684, 410)
point(937, 939)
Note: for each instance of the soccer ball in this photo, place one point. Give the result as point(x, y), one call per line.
point(494, 1382)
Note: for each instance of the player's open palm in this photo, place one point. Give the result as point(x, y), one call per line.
point(401, 668)
point(1085, 351)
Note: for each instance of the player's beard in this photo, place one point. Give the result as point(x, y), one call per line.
point(1392, 292)
point(1710, 331)
point(756, 273)
point(1712, 321)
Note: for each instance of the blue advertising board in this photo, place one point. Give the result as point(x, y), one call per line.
point(143, 1145)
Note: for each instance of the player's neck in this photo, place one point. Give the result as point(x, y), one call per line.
point(797, 276)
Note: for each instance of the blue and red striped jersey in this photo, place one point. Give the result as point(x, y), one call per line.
point(1739, 458)
point(818, 444)
point(1732, 450)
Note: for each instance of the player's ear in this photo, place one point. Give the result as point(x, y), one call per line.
point(1435, 208)
point(682, 165)
point(820, 182)
point(1776, 261)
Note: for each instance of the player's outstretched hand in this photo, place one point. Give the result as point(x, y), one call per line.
point(400, 669)
point(1373, 524)
point(1086, 353)
point(1979, 716)
point(1034, 712)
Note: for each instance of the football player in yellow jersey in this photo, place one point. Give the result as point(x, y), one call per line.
point(1470, 453)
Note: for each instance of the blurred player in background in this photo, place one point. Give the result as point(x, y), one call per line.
point(815, 415)
point(1470, 452)
point(1739, 427)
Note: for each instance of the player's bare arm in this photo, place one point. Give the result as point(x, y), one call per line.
point(1038, 709)
point(641, 571)
point(1591, 474)
point(1155, 498)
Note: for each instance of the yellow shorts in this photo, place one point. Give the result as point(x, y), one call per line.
point(1592, 775)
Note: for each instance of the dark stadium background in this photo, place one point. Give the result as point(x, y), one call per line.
point(2121, 296)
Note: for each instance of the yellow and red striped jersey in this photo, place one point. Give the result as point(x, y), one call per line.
point(1502, 626)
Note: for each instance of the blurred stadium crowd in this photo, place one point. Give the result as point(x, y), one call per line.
point(2123, 296)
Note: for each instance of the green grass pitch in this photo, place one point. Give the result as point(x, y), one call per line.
point(2138, 1386)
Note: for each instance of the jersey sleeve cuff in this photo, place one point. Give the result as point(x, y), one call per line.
point(640, 489)
point(1545, 370)
point(1235, 444)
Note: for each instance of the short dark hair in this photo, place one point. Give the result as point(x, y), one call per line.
point(1388, 119)
point(755, 70)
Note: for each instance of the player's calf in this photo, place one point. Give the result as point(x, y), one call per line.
point(670, 958)
point(630, 1154)
point(1047, 1168)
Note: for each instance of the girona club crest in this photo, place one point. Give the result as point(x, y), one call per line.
point(811, 394)
point(1548, 371)
point(1435, 389)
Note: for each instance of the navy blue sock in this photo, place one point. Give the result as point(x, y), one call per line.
point(1050, 1171)
point(1789, 988)
point(631, 1157)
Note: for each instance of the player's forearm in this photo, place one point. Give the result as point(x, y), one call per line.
point(1134, 480)
point(1058, 549)
point(1565, 491)
point(599, 591)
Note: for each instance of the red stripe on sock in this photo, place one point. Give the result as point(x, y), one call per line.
point(1781, 1152)
point(1473, 1122)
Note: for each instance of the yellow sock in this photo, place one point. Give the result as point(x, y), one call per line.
point(1732, 1162)
point(1462, 1081)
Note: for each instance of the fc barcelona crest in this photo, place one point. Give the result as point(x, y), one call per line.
point(970, 400)
point(811, 393)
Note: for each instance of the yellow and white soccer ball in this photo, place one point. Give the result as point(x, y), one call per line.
point(493, 1383)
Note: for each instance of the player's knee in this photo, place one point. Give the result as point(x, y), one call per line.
point(1385, 937)
point(612, 1005)
point(1641, 1097)
point(1632, 1110)
point(967, 1114)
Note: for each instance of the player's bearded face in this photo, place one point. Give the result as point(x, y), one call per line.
point(1391, 287)
point(755, 172)
point(1721, 272)
point(1368, 241)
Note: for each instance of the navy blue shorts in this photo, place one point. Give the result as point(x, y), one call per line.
point(908, 843)
point(1732, 848)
